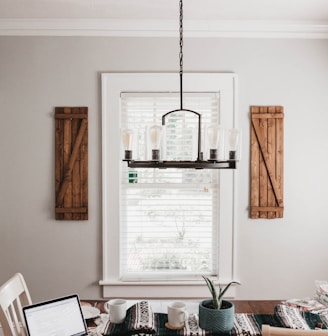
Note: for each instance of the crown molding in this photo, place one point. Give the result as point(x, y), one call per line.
point(162, 28)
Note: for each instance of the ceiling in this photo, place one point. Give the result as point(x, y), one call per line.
point(313, 12)
point(302, 10)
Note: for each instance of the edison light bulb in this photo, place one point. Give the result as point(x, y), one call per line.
point(127, 137)
point(233, 140)
point(155, 135)
point(213, 141)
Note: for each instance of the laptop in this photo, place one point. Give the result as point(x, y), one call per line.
point(58, 317)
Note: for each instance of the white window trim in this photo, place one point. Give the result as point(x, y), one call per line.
point(112, 85)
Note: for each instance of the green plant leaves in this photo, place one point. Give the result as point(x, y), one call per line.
point(217, 299)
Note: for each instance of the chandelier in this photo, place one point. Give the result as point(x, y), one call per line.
point(214, 135)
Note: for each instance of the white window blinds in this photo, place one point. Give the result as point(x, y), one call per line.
point(168, 218)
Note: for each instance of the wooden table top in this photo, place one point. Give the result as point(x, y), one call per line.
point(255, 306)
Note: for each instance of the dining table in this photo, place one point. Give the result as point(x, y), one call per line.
point(244, 307)
point(160, 306)
point(149, 318)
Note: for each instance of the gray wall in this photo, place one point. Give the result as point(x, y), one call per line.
point(275, 258)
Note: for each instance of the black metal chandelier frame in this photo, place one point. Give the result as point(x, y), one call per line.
point(199, 163)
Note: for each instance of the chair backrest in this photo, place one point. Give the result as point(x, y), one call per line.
point(13, 296)
point(276, 331)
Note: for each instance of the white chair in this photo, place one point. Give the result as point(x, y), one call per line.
point(276, 331)
point(14, 295)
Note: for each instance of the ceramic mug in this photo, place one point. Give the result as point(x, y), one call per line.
point(116, 309)
point(177, 314)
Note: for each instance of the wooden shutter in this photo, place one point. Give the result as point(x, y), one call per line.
point(71, 167)
point(267, 141)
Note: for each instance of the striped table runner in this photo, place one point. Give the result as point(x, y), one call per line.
point(141, 321)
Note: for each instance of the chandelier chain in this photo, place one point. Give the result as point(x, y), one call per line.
point(181, 37)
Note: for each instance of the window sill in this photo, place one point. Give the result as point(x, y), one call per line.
point(159, 289)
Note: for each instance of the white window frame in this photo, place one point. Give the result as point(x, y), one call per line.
point(112, 86)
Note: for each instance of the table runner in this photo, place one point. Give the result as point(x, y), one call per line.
point(141, 321)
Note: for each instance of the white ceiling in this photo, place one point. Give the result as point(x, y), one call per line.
point(290, 10)
point(314, 12)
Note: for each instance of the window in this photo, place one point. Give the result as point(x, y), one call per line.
point(169, 217)
point(165, 227)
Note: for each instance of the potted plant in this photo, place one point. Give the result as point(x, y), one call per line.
point(216, 314)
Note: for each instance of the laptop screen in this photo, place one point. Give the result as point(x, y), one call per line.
point(58, 317)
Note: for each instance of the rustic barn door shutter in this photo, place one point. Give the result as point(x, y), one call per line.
point(71, 168)
point(267, 136)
